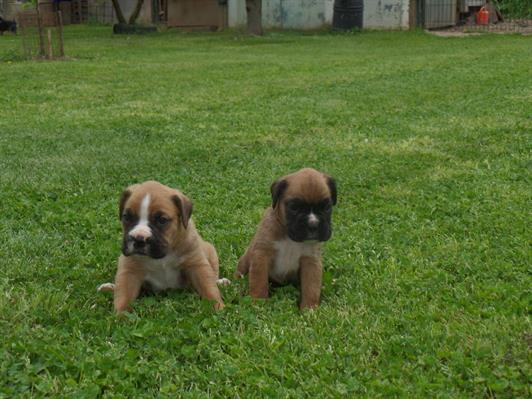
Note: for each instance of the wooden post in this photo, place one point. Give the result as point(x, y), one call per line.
point(50, 54)
point(136, 12)
point(41, 34)
point(254, 13)
point(222, 24)
point(60, 33)
point(412, 14)
point(118, 11)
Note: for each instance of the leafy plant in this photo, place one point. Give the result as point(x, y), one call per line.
point(515, 8)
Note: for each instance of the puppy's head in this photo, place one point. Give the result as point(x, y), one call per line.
point(304, 201)
point(153, 216)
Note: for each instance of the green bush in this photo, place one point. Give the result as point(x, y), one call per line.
point(515, 8)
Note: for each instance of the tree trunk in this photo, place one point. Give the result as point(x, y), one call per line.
point(136, 12)
point(118, 11)
point(254, 11)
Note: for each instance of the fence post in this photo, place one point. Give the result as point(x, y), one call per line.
point(60, 33)
point(41, 34)
point(50, 54)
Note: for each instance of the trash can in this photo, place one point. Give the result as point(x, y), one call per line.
point(348, 14)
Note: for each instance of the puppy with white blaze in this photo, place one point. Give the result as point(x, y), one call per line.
point(287, 245)
point(161, 248)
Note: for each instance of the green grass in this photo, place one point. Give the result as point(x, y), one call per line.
point(427, 286)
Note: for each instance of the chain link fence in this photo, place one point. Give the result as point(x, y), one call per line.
point(101, 12)
point(41, 34)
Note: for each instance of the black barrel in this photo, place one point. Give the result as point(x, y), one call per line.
point(348, 14)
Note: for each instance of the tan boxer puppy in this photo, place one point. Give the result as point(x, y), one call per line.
point(161, 248)
point(287, 245)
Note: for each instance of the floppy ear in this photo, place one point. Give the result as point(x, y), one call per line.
point(278, 188)
point(184, 204)
point(123, 199)
point(332, 188)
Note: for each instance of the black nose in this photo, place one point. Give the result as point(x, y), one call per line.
point(138, 242)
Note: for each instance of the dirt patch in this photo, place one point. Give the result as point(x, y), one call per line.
point(450, 33)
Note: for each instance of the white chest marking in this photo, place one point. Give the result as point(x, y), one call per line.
point(142, 229)
point(287, 257)
point(165, 273)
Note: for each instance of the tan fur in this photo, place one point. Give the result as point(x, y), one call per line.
point(197, 259)
point(258, 260)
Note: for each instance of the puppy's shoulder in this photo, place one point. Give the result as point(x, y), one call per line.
point(269, 230)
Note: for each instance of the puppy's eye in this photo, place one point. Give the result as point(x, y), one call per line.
point(323, 207)
point(161, 220)
point(127, 217)
point(292, 206)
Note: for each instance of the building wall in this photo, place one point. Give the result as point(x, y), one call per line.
point(312, 14)
point(386, 14)
point(9, 9)
point(297, 14)
point(236, 13)
point(288, 14)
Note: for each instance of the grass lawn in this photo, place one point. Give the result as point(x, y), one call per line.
point(427, 289)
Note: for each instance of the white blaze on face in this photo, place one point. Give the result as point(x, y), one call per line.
point(313, 220)
point(142, 229)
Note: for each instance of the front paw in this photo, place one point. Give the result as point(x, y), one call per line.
point(308, 306)
point(106, 287)
point(238, 275)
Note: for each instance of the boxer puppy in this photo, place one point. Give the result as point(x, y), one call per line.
point(287, 245)
point(161, 248)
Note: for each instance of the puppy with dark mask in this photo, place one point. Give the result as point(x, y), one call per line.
point(287, 245)
point(161, 248)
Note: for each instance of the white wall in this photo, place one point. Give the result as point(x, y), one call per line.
point(288, 14)
point(312, 14)
point(236, 10)
point(386, 14)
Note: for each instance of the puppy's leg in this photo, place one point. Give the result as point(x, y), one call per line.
point(259, 271)
point(310, 274)
point(129, 278)
point(212, 257)
point(203, 280)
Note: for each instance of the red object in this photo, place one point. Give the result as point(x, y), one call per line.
point(483, 16)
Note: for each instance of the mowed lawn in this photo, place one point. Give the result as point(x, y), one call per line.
point(427, 285)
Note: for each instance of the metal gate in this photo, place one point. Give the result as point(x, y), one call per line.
point(434, 14)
